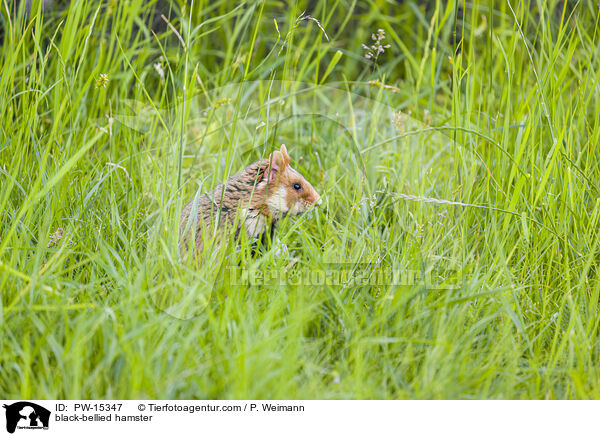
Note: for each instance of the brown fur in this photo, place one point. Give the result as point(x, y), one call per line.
point(253, 199)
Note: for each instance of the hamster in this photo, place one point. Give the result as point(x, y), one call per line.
point(252, 200)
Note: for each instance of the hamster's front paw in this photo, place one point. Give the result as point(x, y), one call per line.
point(281, 249)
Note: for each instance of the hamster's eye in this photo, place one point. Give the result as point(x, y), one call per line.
point(297, 186)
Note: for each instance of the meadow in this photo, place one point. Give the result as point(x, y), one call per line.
point(455, 147)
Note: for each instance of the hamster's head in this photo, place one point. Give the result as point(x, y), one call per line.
point(289, 192)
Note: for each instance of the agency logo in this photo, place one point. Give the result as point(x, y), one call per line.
point(26, 415)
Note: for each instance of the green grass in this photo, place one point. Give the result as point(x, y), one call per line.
point(466, 153)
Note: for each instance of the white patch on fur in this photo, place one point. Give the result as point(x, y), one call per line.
point(298, 208)
point(277, 201)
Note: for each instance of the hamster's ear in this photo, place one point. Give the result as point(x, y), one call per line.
point(284, 153)
point(277, 164)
